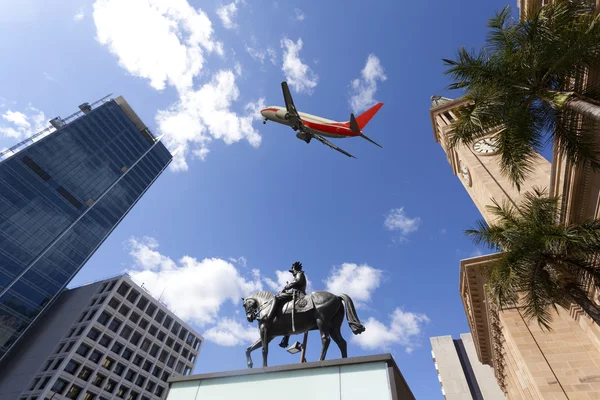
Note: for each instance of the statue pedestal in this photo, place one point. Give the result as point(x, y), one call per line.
point(370, 377)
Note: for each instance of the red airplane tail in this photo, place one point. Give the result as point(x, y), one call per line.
point(364, 118)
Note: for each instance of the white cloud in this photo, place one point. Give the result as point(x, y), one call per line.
point(357, 281)
point(22, 124)
point(238, 69)
point(272, 55)
point(297, 74)
point(194, 289)
point(49, 77)
point(397, 220)
point(160, 40)
point(166, 43)
point(204, 114)
point(17, 118)
point(229, 332)
point(79, 15)
point(404, 328)
point(261, 55)
point(227, 14)
point(298, 15)
point(362, 90)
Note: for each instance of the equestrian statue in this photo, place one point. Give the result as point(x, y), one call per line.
point(292, 311)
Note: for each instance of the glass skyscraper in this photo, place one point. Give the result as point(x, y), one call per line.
point(60, 197)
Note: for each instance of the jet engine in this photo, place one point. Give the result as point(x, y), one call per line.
point(282, 114)
point(303, 136)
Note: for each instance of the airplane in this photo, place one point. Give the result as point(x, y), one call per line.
point(313, 127)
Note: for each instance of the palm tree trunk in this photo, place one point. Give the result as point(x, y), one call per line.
point(584, 107)
point(581, 298)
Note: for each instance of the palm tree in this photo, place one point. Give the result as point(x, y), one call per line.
point(521, 81)
point(543, 261)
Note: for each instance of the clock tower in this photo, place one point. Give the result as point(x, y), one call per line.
point(477, 166)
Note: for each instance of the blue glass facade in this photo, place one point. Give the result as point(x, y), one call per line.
point(59, 200)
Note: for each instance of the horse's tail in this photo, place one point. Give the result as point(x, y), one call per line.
point(353, 321)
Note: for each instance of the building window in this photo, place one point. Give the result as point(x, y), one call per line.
point(104, 285)
point(83, 350)
point(130, 375)
point(110, 386)
point(71, 333)
point(185, 353)
point(170, 342)
point(135, 338)
point(145, 345)
point(177, 347)
point(117, 347)
point(127, 353)
point(143, 324)
point(126, 331)
point(159, 316)
point(101, 300)
point(73, 392)
point(45, 382)
point(165, 376)
point(147, 366)
point(105, 341)
point(123, 289)
point(188, 370)
point(82, 317)
point(159, 391)
point(103, 318)
point(179, 367)
point(98, 380)
point(135, 317)
point(142, 303)
point(114, 303)
point(69, 347)
point(122, 392)
point(85, 373)
point(80, 331)
point(175, 328)
point(133, 396)
point(93, 334)
point(59, 386)
point(154, 350)
point(150, 310)
point(119, 369)
point(96, 356)
point(140, 381)
point(157, 371)
point(163, 356)
point(69, 197)
point(124, 310)
point(132, 296)
point(48, 364)
point(192, 358)
point(91, 315)
point(137, 360)
point(167, 322)
point(161, 336)
point(150, 386)
point(197, 344)
point(108, 363)
point(182, 333)
point(153, 329)
point(171, 362)
point(93, 302)
point(111, 286)
point(89, 396)
point(39, 171)
point(72, 367)
point(114, 325)
point(57, 364)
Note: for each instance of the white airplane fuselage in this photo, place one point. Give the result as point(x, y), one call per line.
point(321, 126)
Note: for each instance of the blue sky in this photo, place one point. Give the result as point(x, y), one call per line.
point(245, 200)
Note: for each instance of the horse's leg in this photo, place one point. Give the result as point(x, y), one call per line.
point(265, 343)
point(336, 332)
point(325, 339)
point(250, 349)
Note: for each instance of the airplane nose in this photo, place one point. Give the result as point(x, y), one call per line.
point(263, 113)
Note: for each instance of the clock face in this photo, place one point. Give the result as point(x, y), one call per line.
point(486, 146)
point(464, 172)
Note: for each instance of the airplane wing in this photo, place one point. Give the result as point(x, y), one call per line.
point(328, 143)
point(291, 108)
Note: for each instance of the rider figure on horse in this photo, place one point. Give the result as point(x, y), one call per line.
point(297, 287)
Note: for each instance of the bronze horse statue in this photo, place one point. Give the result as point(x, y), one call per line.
point(318, 310)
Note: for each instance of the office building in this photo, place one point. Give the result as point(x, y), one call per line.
point(461, 374)
point(63, 192)
point(375, 377)
point(105, 340)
